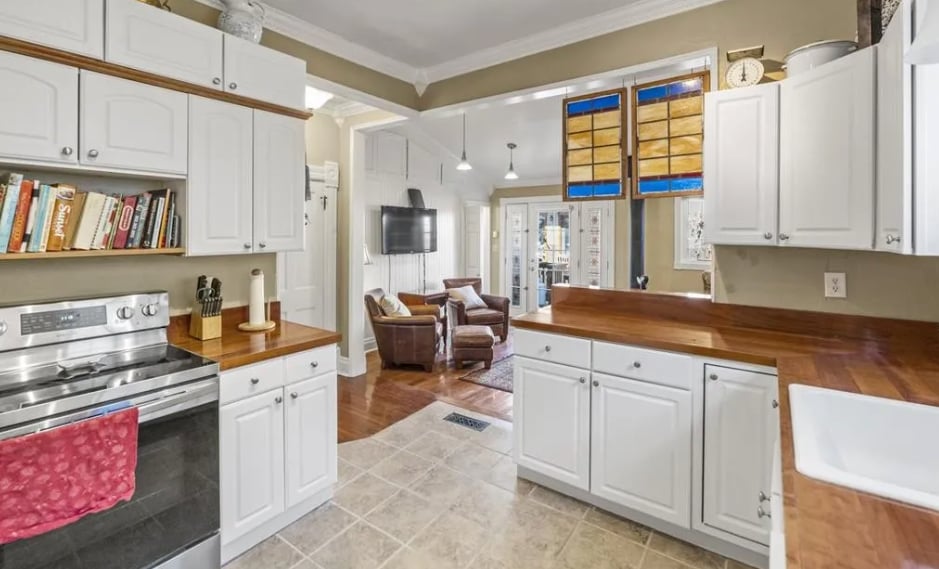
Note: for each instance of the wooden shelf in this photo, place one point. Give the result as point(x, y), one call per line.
point(75, 254)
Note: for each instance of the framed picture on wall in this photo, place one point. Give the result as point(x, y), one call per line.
point(691, 253)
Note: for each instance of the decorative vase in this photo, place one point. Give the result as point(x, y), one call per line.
point(243, 19)
point(162, 4)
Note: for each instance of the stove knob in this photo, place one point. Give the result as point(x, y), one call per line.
point(125, 313)
point(151, 309)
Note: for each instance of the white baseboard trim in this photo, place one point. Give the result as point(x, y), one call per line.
point(347, 369)
point(370, 345)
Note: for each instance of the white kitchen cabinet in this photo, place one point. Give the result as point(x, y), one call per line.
point(134, 126)
point(641, 447)
point(925, 143)
point(826, 182)
point(741, 153)
point(163, 43)
point(311, 437)
point(279, 172)
point(251, 462)
point(741, 423)
point(552, 420)
point(71, 25)
point(39, 114)
point(265, 74)
point(221, 183)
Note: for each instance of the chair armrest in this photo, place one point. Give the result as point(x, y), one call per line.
point(406, 321)
point(425, 310)
point(457, 311)
point(499, 303)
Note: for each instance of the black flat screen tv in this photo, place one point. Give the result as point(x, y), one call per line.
point(408, 230)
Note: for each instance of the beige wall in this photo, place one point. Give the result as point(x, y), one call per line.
point(659, 250)
point(322, 140)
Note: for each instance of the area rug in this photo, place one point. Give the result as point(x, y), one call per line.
point(499, 377)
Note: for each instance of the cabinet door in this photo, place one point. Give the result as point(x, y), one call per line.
point(163, 43)
point(925, 141)
point(552, 420)
point(279, 172)
point(76, 26)
point(133, 126)
point(741, 173)
point(641, 447)
point(312, 437)
point(39, 114)
point(826, 194)
point(251, 462)
point(220, 190)
point(260, 73)
point(740, 429)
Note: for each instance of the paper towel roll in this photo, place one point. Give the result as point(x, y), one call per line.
point(256, 314)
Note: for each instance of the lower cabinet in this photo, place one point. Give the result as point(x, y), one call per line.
point(311, 459)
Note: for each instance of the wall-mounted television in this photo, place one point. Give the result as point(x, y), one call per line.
point(408, 230)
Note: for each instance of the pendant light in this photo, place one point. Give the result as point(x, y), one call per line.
point(925, 48)
point(464, 164)
point(511, 175)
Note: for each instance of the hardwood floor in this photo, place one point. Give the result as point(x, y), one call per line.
point(369, 403)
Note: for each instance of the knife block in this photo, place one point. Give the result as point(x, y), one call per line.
point(204, 327)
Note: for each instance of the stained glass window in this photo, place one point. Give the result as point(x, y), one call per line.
point(668, 136)
point(593, 146)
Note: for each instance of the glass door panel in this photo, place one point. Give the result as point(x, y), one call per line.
point(516, 228)
point(554, 229)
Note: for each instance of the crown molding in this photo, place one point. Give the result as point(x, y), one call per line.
point(524, 182)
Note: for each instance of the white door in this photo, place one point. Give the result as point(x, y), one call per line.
point(39, 114)
point(279, 182)
point(740, 429)
point(552, 420)
point(130, 125)
point(515, 269)
point(220, 190)
point(552, 259)
point(163, 43)
point(75, 26)
point(472, 241)
point(826, 182)
point(254, 71)
point(641, 447)
point(251, 462)
point(741, 173)
point(311, 437)
point(593, 258)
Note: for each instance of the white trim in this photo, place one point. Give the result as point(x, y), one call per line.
point(359, 96)
point(531, 200)
point(524, 182)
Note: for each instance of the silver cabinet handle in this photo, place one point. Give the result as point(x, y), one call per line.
point(255, 381)
point(216, 80)
point(247, 245)
point(262, 245)
point(92, 153)
point(891, 239)
point(294, 395)
point(761, 513)
point(763, 497)
point(775, 404)
point(637, 365)
point(596, 383)
point(233, 85)
point(278, 400)
point(783, 237)
point(67, 151)
point(314, 365)
point(767, 236)
point(547, 348)
point(583, 380)
point(713, 377)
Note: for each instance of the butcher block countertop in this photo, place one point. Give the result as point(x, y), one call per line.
point(826, 526)
point(236, 348)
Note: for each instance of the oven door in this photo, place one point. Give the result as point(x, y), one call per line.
point(172, 521)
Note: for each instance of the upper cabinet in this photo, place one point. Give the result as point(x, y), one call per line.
point(163, 43)
point(71, 25)
point(278, 182)
point(261, 73)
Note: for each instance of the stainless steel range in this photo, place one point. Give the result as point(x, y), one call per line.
point(65, 361)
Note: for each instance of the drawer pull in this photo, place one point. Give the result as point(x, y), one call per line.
point(583, 380)
point(547, 348)
point(314, 365)
point(775, 404)
point(294, 395)
point(233, 85)
point(67, 151)
point(92, 153)
point(216, 80)
point(637, 365)
point(763, 497)
point(713, 377)
point(278, 400)
point(596, 383)
point(761, 513)
point(255, 381)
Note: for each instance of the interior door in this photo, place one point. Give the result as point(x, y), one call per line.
point(553, 227)
point(516, 272)
point(594, 259)
point(472, 241)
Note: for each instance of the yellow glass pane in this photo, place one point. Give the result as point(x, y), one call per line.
point(579, 140)
point(579, 157)
point(649, 113)
point(686, 125)
point(685, 107)
point(580, 174)
point(579, 124)
point(606, 172)
point(686, 145)
point(653, 148)
point(608, 119)
point(653, 167)
point(690, 164)
point(653, 130)
point(606, 137)
point(607, 154)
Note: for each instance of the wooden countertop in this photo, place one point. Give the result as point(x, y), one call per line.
point(236, 348)
point(826, 525)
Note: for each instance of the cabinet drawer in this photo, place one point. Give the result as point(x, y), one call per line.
point(250, 380)
point(663, 368)
point(311, 363)
point(553, 348)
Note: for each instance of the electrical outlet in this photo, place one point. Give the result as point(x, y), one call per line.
point(836, 285)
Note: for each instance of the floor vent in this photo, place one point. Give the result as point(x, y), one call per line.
point(468, 422)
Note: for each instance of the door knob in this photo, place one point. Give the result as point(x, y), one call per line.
point(67, 151)
point(92, 153)
point(262, 245)
point(761, 513)
point(583, 380)
point(233, 85)
point(775, 404)
point(278, 400)
point(596, 383)
point(637, 365)
point(783, 237)
point(713, 377)
point(247, 245)
point(763, 497)
point(314, 365)
point(216, 80)
point(547, 348)
point(294, 395)
point(891, 239)
point(767, 236)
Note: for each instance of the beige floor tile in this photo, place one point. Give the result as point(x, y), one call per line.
point(485, 504)
point(359, 547)
point(496, 438)
point(593, 548)
point(311, 531)
point(364, 493)
point(402, 433)
point(306, 564)
point(408, 558)
point(452, 538)
point(272, 553)
point(441, 485)
point(655, 560)
point(365, 453)
point(434, 446)
point(620, 526)
point(473, 460)
point(403, 515)
point(453, 430)
point(402, 468)
point(505, 475)
point(347, 473)
point(560, 502)
point(686, 552)
point(532, 537)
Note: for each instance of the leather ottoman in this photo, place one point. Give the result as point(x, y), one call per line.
point(472, 344)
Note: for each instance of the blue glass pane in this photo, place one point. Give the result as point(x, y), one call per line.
point(682, 87)
point(653, 186)
point(687, 184)
point(652, 93)
point(607, 190)
point(605, 103)
point(580, 191)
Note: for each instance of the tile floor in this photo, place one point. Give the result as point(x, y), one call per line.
point(427, 494)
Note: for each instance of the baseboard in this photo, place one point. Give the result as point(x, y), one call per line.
point(370, 345)
point(347, 369)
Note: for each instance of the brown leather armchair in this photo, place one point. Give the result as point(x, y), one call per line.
point(495, 315)
point(405, 340)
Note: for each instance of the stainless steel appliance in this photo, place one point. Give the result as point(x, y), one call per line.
point(66, 361)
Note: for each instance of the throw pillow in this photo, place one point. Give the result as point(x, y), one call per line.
point(393, 307)
point(467, 295)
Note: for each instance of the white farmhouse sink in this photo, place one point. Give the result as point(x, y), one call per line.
point(882, 446)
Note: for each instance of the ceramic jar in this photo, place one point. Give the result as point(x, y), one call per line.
point(243, 19)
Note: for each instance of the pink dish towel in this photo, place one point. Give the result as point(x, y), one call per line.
point(56, 477)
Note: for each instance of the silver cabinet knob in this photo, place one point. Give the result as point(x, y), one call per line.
point(216, 80)
point(775, 404)
point(3, 328)
point(125, 313)
point(67, 151)
point(761, 513)
point(247, 246)
point(314, 365)
point(783, 237)
point(763, 497)
point(767, 236)
point(583, 380)
point(547, 348)
point(262, 245)
point(278, 400)
point(233, 85)
point(637, 365)
point(255, 381)
point(92, 153)
point(294, 395)
point(596, 383)
point(713, 377)
point(891, 239)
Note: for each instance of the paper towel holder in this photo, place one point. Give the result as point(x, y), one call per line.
point(254, 323)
